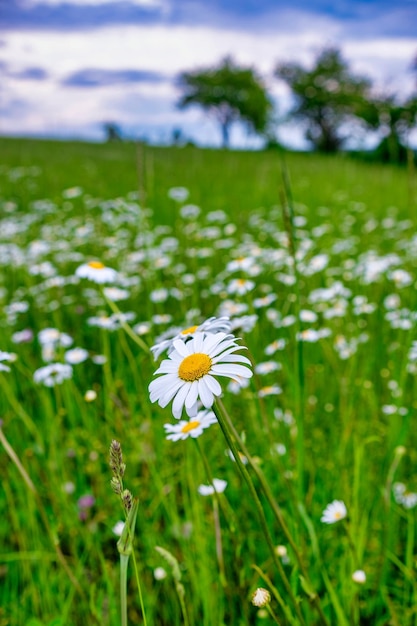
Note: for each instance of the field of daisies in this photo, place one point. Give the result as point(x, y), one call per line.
point(207, 387)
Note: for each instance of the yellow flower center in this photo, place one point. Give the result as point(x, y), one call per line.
point(194, 366)
point(337, 515)
point(190, 426)
point(188, 331)
point(96, 265)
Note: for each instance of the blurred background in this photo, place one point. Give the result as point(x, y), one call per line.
point(127, 70)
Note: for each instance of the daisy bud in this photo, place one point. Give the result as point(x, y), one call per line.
point(359, 576)
point(90, 395)
point(261, 597)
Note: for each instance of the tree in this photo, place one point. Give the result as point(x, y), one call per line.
point(229, 92)
point(395, 119)
point(327, 97)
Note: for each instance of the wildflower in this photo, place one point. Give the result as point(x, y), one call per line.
point(9, 357)
point(115, 294)
point(241, 263)
point(264, 301)
point(211, 325)
point(236, 386)
point(97, 272)
point(118, 528)
point(359, 576)
point(278, 344)
point(22, 336)
point(76, 355)
point(334, 512)
point(191, 428)
point(159, 573)
point(179, 194)
point(84, 504)
point(190, 211)
point(188, 373)
point(261, 597)
point(52, 374)
point(72, 192)
point(402, 496)
point(267, 367)
point(54, 337)
point(269, 390)
point(68, 487)
point(218, 486)
point(240, 286)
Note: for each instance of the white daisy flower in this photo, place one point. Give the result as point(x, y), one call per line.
point(240, 286)
point(189, 372)
point(191, 428)
point(76, 355)
point(53, 336)
point(211, 325)
point(179, 194)
point(270, 390)
point(334, 512)
point(218, 486)
point(53, 374)
point(97, 272)
point(115, 294)
point(8, 357)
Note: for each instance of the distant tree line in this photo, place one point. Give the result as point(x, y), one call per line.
point(331, 103)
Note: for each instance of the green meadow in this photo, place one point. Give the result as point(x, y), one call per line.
point(312, 259)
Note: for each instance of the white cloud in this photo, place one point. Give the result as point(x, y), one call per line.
point(170, 49)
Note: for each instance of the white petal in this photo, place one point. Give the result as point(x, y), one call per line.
point(193, 410)
point(231, 370)
point(213, 385)
point(191, 399)
point(182, 347)
point(166, 367)
point(179, 399)
point(232, 358)
point(170, 392)
point(205, 394)
point(198, 342)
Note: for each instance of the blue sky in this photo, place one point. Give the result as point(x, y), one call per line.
point(69, 66)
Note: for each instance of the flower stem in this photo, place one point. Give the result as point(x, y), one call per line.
point(247, 478)
point(126, 326)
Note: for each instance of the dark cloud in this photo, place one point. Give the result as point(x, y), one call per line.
point(27, 73)
point(90, 77)
point(30, 73)
point(368, 16)
point(17, 15)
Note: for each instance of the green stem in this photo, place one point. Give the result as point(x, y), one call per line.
point(126, 326)
point(216, 517)
point(246, 476)
point(288, 210)
point(124, 560)
point(142, 606)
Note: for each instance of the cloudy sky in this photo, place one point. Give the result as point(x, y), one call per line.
point(68, 66)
